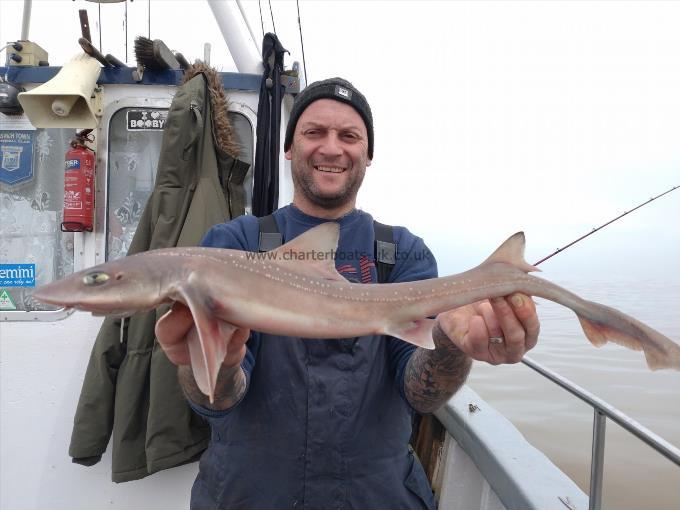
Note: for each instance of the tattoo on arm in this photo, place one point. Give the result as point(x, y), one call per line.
point(231, 385)
point(432, 377)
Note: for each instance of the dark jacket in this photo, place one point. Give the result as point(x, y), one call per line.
point(130, 388)
point(324, 424)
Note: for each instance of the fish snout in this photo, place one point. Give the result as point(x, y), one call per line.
point(55, 293)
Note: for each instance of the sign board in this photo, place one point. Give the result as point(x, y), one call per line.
point(16, 156)
point(6, 301)
point(146, 119)
point(17, 275)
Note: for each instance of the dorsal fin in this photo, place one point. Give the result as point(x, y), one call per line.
point(315, 249)
point(512, 252)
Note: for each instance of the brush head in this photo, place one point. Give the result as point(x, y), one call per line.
point(154, 54)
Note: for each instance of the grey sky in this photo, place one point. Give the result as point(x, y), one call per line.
point(490, 117)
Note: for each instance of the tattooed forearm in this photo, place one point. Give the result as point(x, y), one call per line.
point(231, 385)
point(431, 377)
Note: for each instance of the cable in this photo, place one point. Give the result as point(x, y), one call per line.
point(3, 79)
point(245, 18)
point(126, 33)
point(100, 26)
point(302, 44)
point(261, 20)
point(272, 15)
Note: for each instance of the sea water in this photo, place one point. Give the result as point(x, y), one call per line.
point(560, 425)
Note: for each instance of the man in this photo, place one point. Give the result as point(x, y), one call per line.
point(325, 423)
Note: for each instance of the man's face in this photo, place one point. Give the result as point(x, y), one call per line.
point(329, 153)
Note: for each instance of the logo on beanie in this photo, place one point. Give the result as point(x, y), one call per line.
point(343, 92)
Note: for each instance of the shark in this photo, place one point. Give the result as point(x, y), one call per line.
point(296, 291)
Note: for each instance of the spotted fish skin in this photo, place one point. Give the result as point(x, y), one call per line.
point(288, 292)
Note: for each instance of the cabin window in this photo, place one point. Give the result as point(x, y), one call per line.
point(33, 249)
point(134, 149)
point(132, 159)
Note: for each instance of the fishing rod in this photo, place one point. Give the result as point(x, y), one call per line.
point(559, 250)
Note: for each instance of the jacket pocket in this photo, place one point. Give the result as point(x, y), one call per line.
point(416, 482)
point(195, 129)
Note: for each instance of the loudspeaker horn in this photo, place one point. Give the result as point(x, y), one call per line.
point(69, 99)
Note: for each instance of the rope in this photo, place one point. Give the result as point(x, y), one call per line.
point(302, 44)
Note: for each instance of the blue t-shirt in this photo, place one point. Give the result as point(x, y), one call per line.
point(323, 423)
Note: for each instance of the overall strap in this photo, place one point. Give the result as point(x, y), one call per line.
point(270, 237)
point(385, 251)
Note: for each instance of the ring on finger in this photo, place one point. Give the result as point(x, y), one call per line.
point(496, 340)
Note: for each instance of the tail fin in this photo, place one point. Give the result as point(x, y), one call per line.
point(660, 351)
point(512, 252)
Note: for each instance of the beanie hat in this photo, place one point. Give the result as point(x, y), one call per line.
point(333, 88)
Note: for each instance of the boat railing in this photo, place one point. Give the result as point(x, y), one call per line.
point(485, 463)
point(601, 411)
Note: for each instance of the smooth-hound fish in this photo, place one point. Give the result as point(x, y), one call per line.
point(296, 291)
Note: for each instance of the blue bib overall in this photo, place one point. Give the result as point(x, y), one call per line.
point(324, 424)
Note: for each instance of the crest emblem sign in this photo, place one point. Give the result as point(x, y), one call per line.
point(16, 156)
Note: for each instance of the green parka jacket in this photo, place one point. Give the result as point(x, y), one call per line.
point(130, 389)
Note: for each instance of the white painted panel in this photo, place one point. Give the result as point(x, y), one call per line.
point(463, 486)
point(42, 366)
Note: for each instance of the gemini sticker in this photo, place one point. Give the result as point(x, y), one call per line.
point(17, 275)
point(6, 301)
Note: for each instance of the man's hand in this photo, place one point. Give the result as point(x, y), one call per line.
point(498, 331)
point(174, 329)
point(173, 332)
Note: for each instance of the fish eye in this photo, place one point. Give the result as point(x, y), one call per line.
point(95, 278)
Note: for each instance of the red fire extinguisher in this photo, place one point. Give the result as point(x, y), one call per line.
point(79, 185)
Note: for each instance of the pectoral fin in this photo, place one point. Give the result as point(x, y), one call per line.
point(418, 332)
point(207, 341)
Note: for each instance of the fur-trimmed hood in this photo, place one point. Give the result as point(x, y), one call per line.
point(222, 129)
